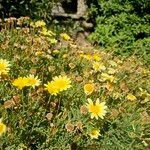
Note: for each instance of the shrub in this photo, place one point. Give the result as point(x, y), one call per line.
point(122, 25)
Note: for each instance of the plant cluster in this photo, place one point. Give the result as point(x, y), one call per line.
point(121, 25)
point(56, 94)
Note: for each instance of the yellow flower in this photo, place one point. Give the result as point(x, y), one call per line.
point(111, 71)
point(52, 40)
point(56, 51)
point(65, 36)
point(47, 32)
point(146, 72)
point(97, 110)
point(107, 77)
point(144, 95)
point(32, 24)
point(62, 82)
point(96, 57)
point(65, 56)
point(87, 56)
point(4, 66)
point(81, 55)
point(131, 97)
point(44, 31)
point(33, 81)
point(40, 23)
point(39, 53)
point(2, 127)
point(58, 84)
point(88, 88)
point(20, 82)
point(98, 67)
point(52, 88)
point(94, 134)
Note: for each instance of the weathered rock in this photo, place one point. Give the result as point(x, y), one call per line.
point(87, 25)
point(59, 11)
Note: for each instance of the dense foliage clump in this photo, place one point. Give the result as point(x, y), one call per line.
point(122, 25)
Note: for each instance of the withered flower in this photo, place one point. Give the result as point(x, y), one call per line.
point(69, 127)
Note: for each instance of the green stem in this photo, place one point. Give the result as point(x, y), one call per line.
point(22, 98)
point(49, 99)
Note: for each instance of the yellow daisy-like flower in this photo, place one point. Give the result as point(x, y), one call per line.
point(47, 32)
point(4, 66)
point(96, 57)
point(144, 95)
point(107, 77)
point(33, 81)
point(98, 67)
point(97, 110)
point(88, 88)
point(87, 56)
point(81, 55)
point(20, 82)
point(62, 82)
point(65, 36)
point(2, 127)
point(65, 56)
point(94, 134)
point(58, 84)
point(52, 88)
point(52, 40)
point(111, 71)
point(40, 23)
point(39, 53)
point(32, 24)
point(131, 97)
point(56, 51)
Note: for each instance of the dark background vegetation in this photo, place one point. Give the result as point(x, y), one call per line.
point(36, 9)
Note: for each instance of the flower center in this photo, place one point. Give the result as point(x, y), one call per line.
point(31, 81)
point(1, 128)
point(95, 109)
point(61, 84)
point(2, 67)
point(96, 66)
point(89, 88)
point(94, 133)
